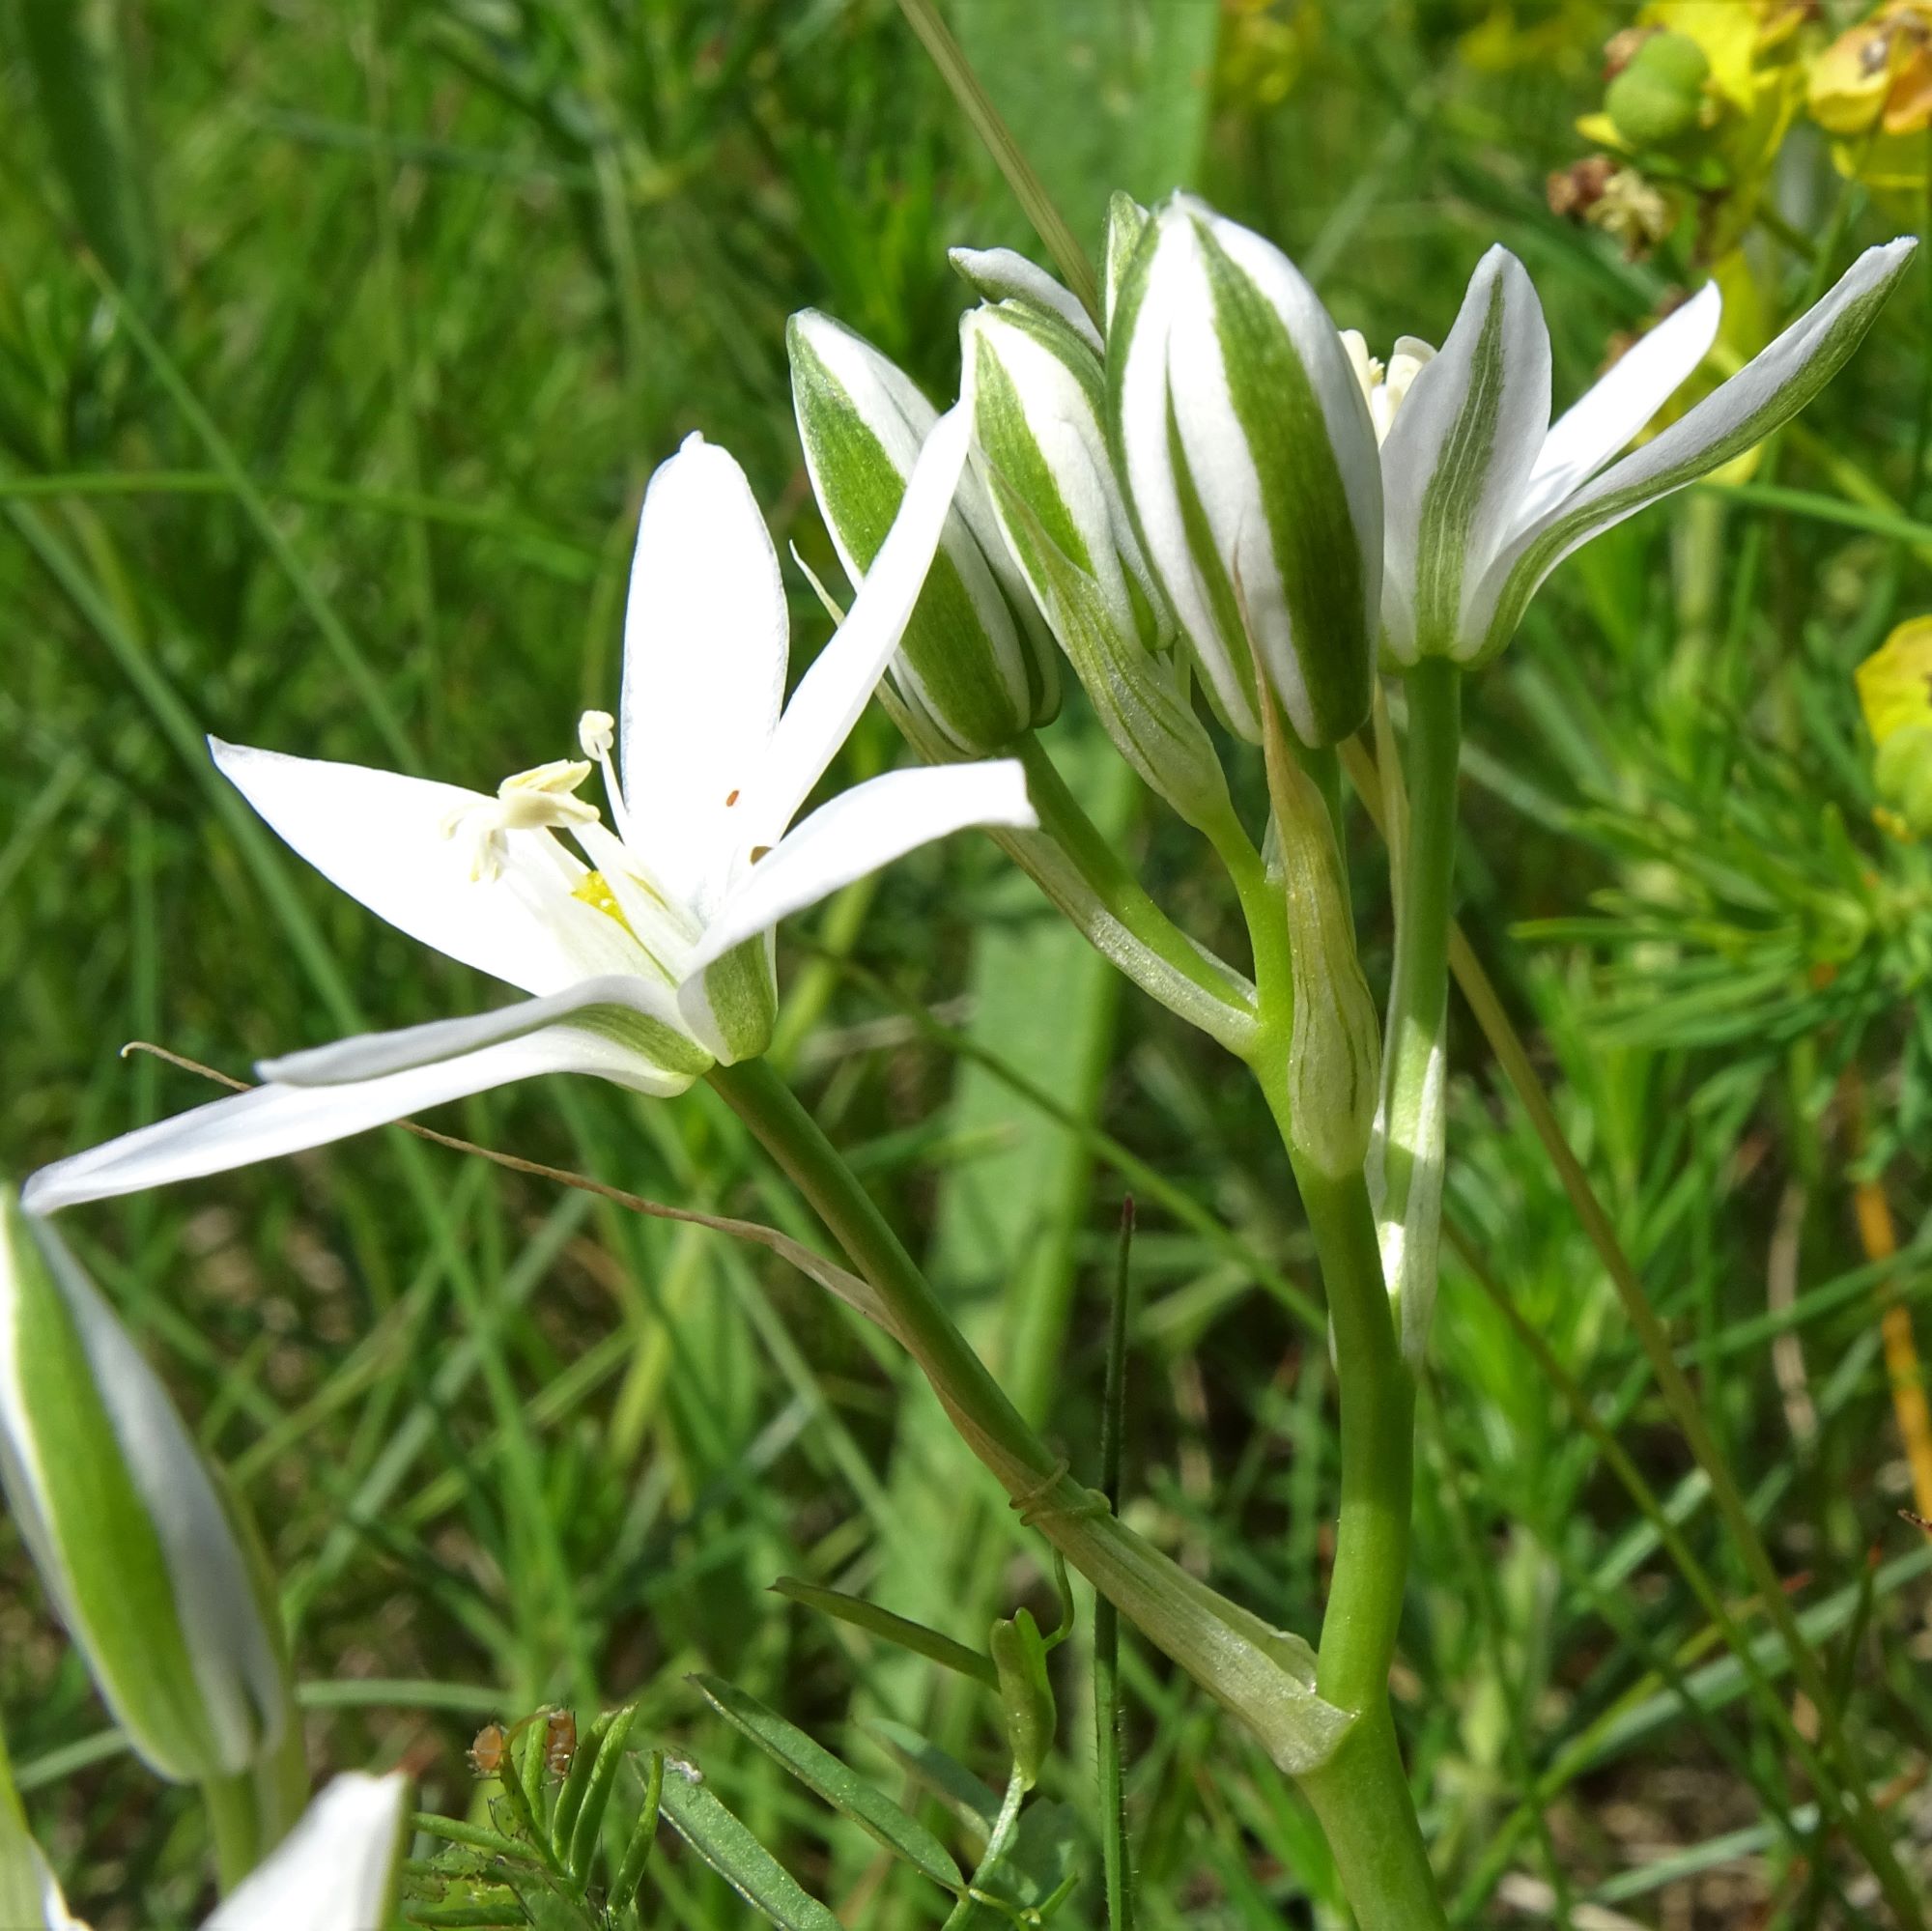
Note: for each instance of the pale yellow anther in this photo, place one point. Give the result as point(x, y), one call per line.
point(1385, 386)
point(597, 732)
point(538, 800)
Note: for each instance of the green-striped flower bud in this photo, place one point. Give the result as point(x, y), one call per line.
point(1000, 275)
point(977, 668)
point(151, 1567)
point(1251, 462)
point(1038, 395)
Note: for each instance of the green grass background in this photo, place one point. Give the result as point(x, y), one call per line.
point(337, 338)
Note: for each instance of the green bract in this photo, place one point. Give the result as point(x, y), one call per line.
point(146, 1556)
point(1036, 395)
point(1250, 459)
point(976, 668)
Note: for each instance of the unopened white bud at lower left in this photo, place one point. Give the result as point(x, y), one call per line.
point(147, 1559)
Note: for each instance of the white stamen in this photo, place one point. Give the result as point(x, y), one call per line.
point(597, 732)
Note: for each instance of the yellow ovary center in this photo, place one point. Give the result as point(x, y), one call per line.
point(594, 888)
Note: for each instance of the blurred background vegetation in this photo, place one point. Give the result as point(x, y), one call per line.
point(337, 338)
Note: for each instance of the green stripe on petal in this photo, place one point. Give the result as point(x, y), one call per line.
point(964, 663)
point(1312, 531)
point(86, 1520)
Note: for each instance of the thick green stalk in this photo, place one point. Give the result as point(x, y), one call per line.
point(1368, 1816)
point(1361, 1795)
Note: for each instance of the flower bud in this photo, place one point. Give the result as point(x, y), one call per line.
point(977, 669)
point(1659, 95)
point(1036, 393)
point(1251, 464)
point(153, 1568)
point(1000, 275)
point(1026, 1694)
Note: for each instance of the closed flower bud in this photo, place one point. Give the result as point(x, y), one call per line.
point(1000, 275)
point(1036, 395)
point(1659, 95)
point(976, 669)
point(1250, 461)
point(1026, 1694)
point(146, 1557)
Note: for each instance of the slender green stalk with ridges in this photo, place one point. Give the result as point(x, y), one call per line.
point(1362, 1795)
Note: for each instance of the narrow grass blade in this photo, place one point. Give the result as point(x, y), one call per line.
point(819, 1771)
point(588, 1823)
point(1114, 1849)
point(643, 1838)
point(990, 125)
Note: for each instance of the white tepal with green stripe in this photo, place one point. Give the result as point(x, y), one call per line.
point(1486, 495)
point(1036, 390)
point(976, 669)
point(152, 1567)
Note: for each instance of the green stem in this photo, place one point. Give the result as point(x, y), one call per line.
point(1368, 1815)
point(1142, 940)
point(1361, 1795)
point(1249, 1667)
point(250, 1814)
point(1424, 839)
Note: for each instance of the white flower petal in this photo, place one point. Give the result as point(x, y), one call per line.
point(376, 1055)
point(1762, 396)
point(1621, 403)
point(387, 840)
point(998, 273)
point(857, 833)
point(270, 1120)
point(334, 1871)
point(1454, 464)
point(705, 640)
point(832, 693)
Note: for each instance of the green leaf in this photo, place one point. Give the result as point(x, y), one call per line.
point(739, 1858)
point(975, 1803)
point(900, 1630)
point(612, 1738)
point(848, 1793)
point(1026, 1694)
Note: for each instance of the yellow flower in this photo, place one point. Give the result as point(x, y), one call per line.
point(1896, 694)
